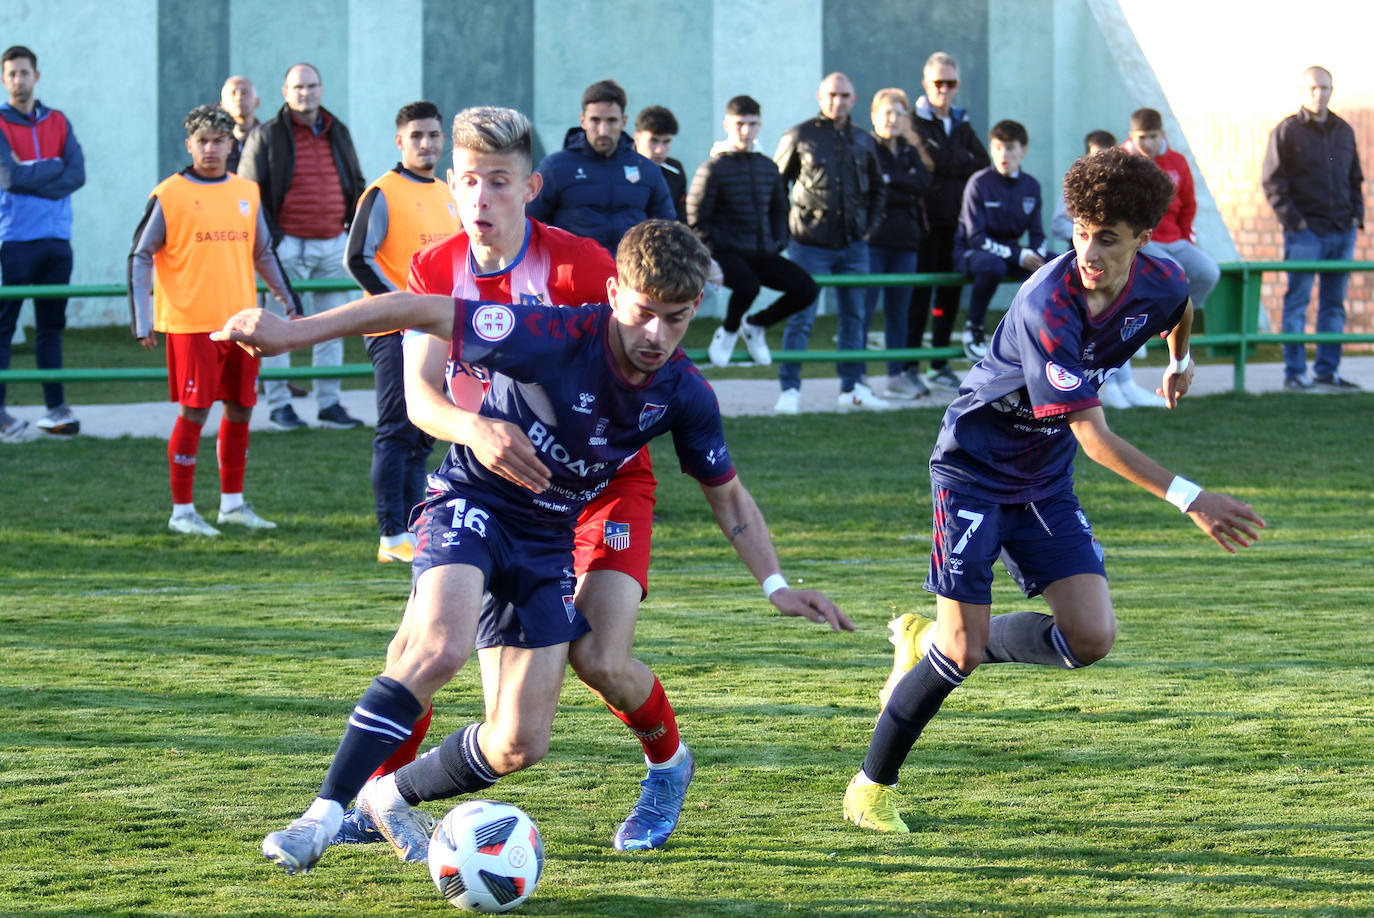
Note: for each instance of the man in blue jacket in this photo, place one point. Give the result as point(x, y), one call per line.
point(41, 164)
point(597, 185)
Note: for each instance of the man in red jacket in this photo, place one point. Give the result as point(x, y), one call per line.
point(1173, 237)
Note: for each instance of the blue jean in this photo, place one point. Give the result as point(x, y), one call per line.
point(884, 260)
point(39, 261)
point(400, 450)
point(304, 259)
point(852, 259)
point(1306, 245)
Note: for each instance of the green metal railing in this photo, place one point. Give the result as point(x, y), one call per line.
point(1233, 311)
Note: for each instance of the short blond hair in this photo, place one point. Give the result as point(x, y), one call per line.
point(664, 260)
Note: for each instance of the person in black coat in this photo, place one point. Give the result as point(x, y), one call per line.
point(892, 248)
point(738, 206)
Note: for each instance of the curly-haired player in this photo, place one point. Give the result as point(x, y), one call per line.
point(1002, 470)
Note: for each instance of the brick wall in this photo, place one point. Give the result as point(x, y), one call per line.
point(1229, 151)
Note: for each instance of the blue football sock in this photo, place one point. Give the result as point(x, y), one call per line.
point(914, 701)
point(456, 766)
point(380, 722)
point(1028, 637)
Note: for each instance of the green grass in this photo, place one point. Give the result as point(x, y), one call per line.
point(167, 702)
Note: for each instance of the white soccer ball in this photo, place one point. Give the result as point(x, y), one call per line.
point(486, 856)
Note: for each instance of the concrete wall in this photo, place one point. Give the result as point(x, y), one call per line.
point(126, 74)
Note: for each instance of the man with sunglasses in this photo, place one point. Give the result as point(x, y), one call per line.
point(958, 153)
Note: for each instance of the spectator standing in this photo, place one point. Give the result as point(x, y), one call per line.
point(1001, 205)
point(836, 200)
point(893, 246)
point(1312, 178)
point(598, 186)
point(402, 212)
point(41, 164)
point(957, 153)
point(738, 206)
point(655, 128)
point(240, 99)
point(304, 162)
point(203, 233)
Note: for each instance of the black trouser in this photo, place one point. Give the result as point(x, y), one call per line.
point(936, 256)
point(38, 261)
point(746, 274)
point(400, 450)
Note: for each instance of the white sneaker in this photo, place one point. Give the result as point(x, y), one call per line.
point(12, 429)
point(721, 347)
point(904, 387)
point(1138, 395)
point(1111, 395)
point(789, 402)
point(243, 515)
point(861, 399)
point(755, 339)
point(191, 524)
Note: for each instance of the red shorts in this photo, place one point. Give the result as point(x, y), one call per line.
point(614, 531)
point(201, 372)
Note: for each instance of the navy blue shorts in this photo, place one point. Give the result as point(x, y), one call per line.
point(528, 571)
point(1039, 543)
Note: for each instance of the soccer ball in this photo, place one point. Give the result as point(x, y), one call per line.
point(486, 856)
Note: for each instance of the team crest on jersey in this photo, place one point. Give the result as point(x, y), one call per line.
point(493, 321)
point(1028, 204)
point(650, 414)
point(243, 208)
point(568, 607)
point(1061, 378)
point(532, 299)
point(1132, 326)
point(616, 536)
point(631, 173)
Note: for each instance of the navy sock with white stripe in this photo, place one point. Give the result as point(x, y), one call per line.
point(1028, 637)
point(380, 722)
point(456, 766)
point(914, 701)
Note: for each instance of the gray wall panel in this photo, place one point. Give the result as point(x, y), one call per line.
point(192, 57)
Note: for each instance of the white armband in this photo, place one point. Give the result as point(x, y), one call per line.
point(1178, 364)
point(1182, 493)
point(772, 583)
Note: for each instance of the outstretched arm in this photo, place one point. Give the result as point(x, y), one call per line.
point(744, 526)
point(1229, 522)
point(263, 334)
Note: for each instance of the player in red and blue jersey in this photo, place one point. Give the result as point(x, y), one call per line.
point(493, 559)
point(1002, 470)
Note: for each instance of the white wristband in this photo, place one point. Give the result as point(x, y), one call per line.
point(1178, 364)
point(772, 583)
point(1182, 492)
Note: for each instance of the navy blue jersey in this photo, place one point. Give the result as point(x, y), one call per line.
point(996, 212)
point(552, 375)
point(1005, 437)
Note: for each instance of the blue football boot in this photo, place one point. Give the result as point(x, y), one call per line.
point(655, 815)
point(356, 829)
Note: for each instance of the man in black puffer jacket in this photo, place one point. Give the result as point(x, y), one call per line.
point(837, 200)
point(738, 206)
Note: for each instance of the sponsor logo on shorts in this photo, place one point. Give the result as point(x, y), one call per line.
point(1061, 378)
point(451, 539)
point(650, 414)
point(493, 321)
point(715, 456)
point(616, 536)
point(568, 607)
point(955, 566)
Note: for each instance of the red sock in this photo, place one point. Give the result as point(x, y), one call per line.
point(232, 451)
point(181, 459)
point(655, 725)
point(405, 753)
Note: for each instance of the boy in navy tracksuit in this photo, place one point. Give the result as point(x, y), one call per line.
point(1001, 204)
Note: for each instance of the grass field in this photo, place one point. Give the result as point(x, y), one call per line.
point(167, 702)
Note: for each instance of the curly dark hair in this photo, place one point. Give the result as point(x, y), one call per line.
point(1113, 185)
